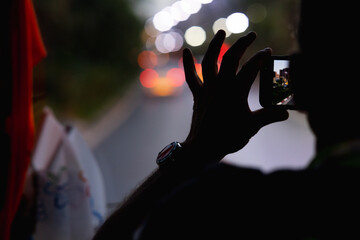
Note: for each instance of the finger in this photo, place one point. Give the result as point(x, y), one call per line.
point(266, 116)
point(248, 72)
point(232, 57)
point(191, 76)
point(209, 63)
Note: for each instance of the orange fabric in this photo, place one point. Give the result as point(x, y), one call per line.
point(27, 49)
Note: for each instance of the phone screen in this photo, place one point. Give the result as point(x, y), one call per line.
point(282, 91)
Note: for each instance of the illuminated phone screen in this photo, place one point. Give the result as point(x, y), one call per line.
point(282, 92)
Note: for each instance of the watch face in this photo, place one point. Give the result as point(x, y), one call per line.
point(165, 151)
point(166, 154)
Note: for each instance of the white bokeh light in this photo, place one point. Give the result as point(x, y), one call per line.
point(221, 24)
point(205, 1)
point(179, 41)
point(195, 36)
point(159, 43)
point(190, 6)
point(169, 42)
point(163, 20)
point(237, 22)
point(178, 12)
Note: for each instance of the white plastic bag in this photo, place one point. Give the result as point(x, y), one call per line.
point(92, 173)
point(70, 189)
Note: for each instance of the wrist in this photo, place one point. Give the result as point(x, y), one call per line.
point(201, 154)
point(187, 156)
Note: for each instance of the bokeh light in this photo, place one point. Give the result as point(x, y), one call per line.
point(149, 78)
point(150, 29)
point(169, 42)
point(190, 6)
point(150, 43)
point(221, 24)
point(195, 36)
point(162, 88)
point(178, 12)
point(181, 63)
point(162, 42)
point(237, 22)
point(223, 50)
point(179, 41)
point(199, 71)
point(176, 77)
point(147, 59)
point(205, 1)
point(163, 20)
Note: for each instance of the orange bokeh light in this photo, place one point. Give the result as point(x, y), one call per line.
point(199, 71)
point(148, 78)
point(162, 88)
point(147, 59)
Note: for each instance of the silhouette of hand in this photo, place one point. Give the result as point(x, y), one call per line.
point(222, 121)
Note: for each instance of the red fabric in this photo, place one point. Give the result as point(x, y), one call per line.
point(27, 49)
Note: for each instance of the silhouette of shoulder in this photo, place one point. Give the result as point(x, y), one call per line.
point(227, 201)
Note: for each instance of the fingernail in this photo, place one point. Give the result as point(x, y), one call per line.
point(251, 35)
point(268, 50)
point(220, 32)
point(186, 51)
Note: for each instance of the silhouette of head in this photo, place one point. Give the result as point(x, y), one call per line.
point(326, 70)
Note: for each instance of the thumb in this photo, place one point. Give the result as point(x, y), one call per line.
point(266, 116)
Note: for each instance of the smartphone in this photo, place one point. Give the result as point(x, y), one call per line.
point(276, 87)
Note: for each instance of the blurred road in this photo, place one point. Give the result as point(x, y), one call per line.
point(127, 155)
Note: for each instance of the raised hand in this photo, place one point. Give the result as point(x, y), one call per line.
point(222, 121)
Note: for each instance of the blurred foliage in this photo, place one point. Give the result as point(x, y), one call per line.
point(92, 47)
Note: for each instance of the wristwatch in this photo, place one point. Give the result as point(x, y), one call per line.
point(169, 154)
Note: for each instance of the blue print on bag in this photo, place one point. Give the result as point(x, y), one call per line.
point(58, 192)
point(95, 213)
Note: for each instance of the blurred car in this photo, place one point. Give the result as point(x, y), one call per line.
point(162, 82)
point(161, 76)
